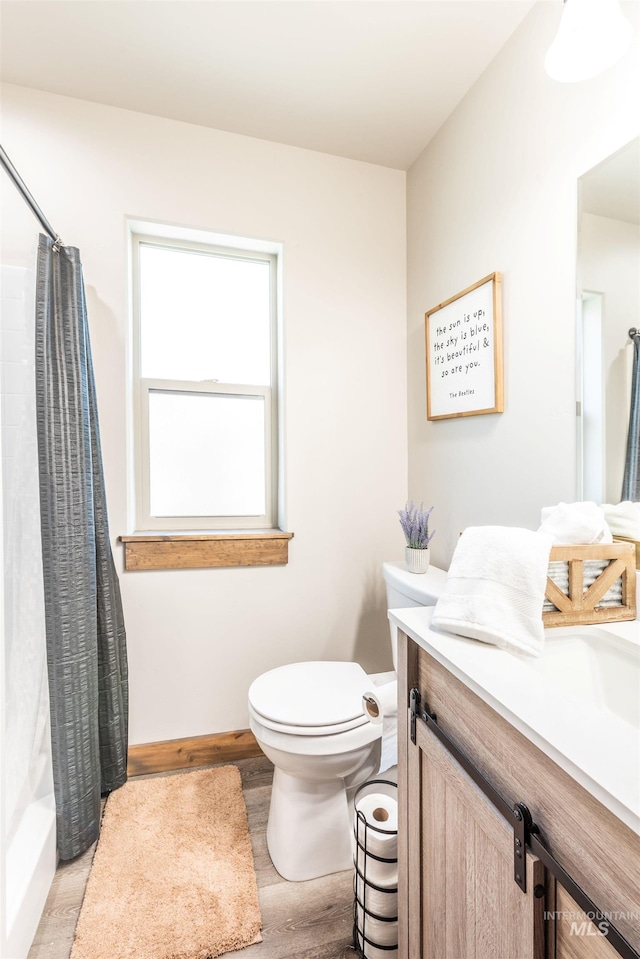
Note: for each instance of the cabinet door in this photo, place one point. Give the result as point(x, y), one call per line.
point(575, 936)
point(463, 900)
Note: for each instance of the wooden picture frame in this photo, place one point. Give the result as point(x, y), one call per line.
point(464, 352)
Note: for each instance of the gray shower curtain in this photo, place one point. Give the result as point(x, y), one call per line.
point(86, 645)
point(631, 480)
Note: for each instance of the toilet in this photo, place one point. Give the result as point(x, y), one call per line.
point(309, 721)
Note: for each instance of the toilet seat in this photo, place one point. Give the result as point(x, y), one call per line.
point(330, 730)
point(314, 741)
point(310, 699)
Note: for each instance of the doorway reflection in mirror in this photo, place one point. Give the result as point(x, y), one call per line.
point(608, 303)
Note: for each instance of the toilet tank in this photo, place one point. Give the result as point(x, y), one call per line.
point(410, 589)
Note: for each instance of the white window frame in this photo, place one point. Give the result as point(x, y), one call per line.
point(143, 387)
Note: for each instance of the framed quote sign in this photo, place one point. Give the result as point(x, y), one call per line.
point(464, 352)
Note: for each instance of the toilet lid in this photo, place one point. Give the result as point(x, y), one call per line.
point(311, 694)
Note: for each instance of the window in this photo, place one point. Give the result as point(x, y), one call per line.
point(205, 380)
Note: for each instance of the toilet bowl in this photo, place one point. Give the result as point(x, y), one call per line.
point(309, 721)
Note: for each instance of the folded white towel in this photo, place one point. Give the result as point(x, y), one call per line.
point(495, 587)
point(623, 519)
point(575, 523)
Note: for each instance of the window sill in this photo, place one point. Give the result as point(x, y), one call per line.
point(146, 551)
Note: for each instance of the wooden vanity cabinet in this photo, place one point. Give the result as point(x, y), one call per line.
point(457, 894)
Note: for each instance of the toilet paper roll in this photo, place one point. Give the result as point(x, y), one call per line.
point(380, 814)
point(374, 952)
point(384, 874)
point(377, 901)
point(377, 930)
point(379, 832)
point(381, 701)
point(381, 707)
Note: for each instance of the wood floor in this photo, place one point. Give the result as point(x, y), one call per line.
point(305, 920)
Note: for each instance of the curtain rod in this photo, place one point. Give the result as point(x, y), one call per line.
point(22, 187)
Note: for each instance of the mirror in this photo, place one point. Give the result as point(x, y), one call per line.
point(608, 278)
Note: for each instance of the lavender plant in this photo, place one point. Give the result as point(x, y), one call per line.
point(415, 525)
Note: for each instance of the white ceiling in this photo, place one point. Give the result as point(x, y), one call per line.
point(367, 79)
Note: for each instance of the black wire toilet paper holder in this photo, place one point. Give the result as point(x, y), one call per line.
point(362, 831)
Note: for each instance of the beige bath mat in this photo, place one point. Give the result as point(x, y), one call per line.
point(172, 876)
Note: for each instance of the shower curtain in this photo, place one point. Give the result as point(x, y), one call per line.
point(631, 480)
point(86, 646)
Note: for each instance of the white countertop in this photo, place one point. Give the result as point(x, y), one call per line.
point(597, 748)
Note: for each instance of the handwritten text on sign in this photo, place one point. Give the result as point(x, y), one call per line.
point(461, 354)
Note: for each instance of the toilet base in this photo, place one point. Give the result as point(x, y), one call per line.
point(309, 828)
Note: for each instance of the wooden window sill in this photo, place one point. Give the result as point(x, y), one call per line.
point(145, 551)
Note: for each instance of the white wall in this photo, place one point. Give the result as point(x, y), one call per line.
point(610, 264)
point(496, 189)
point(196, 639)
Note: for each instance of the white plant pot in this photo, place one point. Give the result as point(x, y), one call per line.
point(417, 560)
